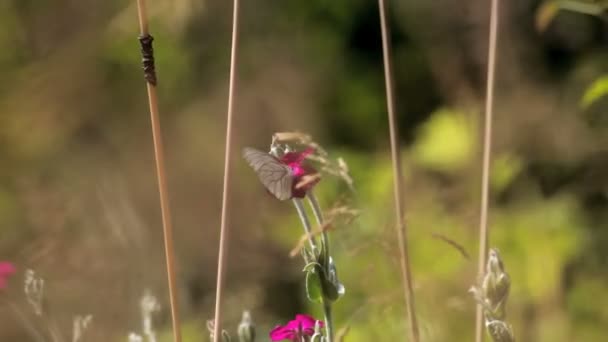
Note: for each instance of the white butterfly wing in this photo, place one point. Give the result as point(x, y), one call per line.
point(275, 176)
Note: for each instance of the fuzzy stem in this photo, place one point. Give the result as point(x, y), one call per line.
point(54, 331)
point(162, 185)
point(316, 209)
point(223, 225)
point(25, 322)
point(401, 228)
point(329, 322)
point(307, 227)
point(318, 213)
point(487, 149)
point(305, 223)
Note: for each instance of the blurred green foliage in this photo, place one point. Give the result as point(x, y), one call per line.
point(77, 186)
point(598, 89)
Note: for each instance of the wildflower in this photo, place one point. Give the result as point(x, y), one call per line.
point(286, 176)
point(302, 325)
point(304, 176)
point(6, 270)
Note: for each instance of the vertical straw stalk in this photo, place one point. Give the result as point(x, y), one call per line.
point(398, 180)
point(487, 149)
point(221, 262)
point(160, 170)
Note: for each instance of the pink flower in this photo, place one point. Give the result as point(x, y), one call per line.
point(303, 325)
point(304, 176)
point(6, 270)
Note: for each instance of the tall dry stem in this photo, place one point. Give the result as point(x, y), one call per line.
point(221, 262)
point(487, 150)
point(398, 179)
point(160, 166)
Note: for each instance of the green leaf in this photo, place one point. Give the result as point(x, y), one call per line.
point(311, 266)
point(313, 286)
point(597, 90)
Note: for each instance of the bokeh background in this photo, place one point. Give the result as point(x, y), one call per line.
point(78, 194)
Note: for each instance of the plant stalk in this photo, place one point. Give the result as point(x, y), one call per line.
point(31, 329)
point(329, 322)
point(316, 209)
point(487, 150)
point(224, 225)
point(401, 228)
point(318, 213)
point(308, 229)
point(305, 223)
point(162, 182)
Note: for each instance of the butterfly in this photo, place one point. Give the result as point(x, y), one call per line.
point(276, 176)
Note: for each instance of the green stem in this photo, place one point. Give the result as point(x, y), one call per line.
point(316, 210)
point(305, 223)
point(329, 322)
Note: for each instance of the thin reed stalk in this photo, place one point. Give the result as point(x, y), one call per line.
point(398, 180)
point(487, 150)
point(221, 262)
point(27, 324)
point(160, 167)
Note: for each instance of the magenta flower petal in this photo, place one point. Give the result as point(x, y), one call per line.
point(281, 333)
point(302, 325)
point(296, 158)
point(295, 161)
point(6, 270)
point(306, 321)
point(307, 324)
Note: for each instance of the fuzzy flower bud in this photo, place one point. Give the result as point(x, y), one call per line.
point(500, 331)
point(492, 296)
point(496, 285)
point(246, 328)
point(34, 291)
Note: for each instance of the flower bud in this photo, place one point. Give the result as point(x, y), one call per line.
point(317, 336)
point(246, 328)
point(496, 285)
point(500, 331)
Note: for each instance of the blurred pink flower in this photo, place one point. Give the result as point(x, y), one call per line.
point(6, 270)
point(295, 161)
point(303, 325)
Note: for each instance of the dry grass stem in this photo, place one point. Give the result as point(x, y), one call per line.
point(341, 334)
point(335, 213)
point(308, 179)
point(460, 248)
point(397, 183)
point(162, 184)
point(487, 149)
point(221, 262)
